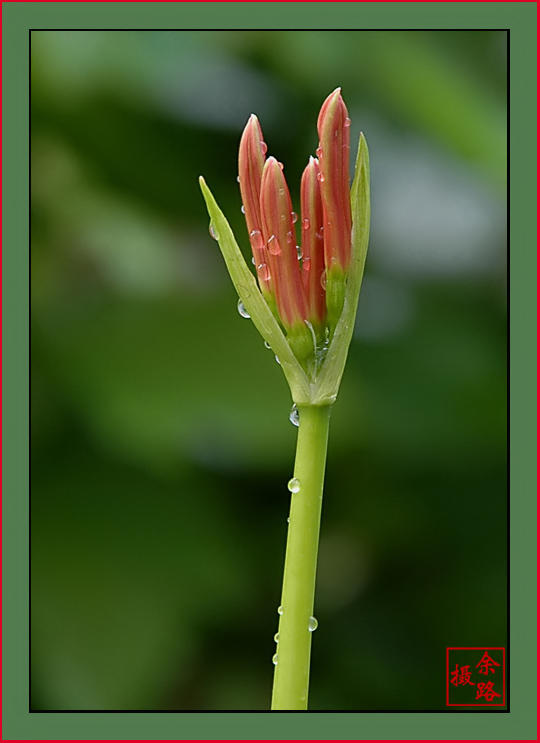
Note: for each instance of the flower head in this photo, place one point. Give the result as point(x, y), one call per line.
point(308, 287)
point(304, 285)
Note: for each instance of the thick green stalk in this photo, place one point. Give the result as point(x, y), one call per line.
point(291, 677)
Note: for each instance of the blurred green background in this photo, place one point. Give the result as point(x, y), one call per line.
point(161, 445)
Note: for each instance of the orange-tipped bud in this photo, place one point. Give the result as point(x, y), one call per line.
point(334, 145)
point(313, 275)
point(278, 231)
point(251, 160)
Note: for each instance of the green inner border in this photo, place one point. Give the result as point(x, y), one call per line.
point(520, 723)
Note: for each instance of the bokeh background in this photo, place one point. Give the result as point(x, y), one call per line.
point(161, 445)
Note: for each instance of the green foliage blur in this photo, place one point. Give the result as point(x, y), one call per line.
point(161, 445)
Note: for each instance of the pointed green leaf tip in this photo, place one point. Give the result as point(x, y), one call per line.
point(252, 299)
point(323, 389)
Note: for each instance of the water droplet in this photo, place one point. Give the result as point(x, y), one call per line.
point(294, 485)
point(238, 179)
point(280, 165)
point(243, 209)
point(288, 519)
point(290, 237)
point(299, 253)
point(294, 415)
point(213, 232)
point(336, 132)
point(276, 358)
point(253, 261)
point(276, 637)
point(318, 151)
point(305, 224)
point(267, 345)
point(347, 122)
point(241, 309)
point(281, 191)
point(320, 233)
point(263, 271)
point(306, 264)
point(320, 177)
point(283, 217)
point(280, 610)
point(323, 279)
point(294, 216)
point(275, 659)
point(313, 624)
point(264, 147)
point(273, 246)
point(257, 240)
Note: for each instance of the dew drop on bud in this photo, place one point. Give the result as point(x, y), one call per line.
point(281, 191)
point(294, 416)
point(290, 237)
point(323, 279)
point(318, 151)
point(264, 147)
point(299, 252)
point(280, 165)
point(263, 271)
point(273, 246)
point(243, 209)
point(320, 177)
point(238, 179)
point(312, 624)
point(294, 216)
point(306, 264)
point(294, 485)
point(347, 122)
point(257, 240)
point(305, 224)
point(253, 260)
point(212, 231)
point(242, 310)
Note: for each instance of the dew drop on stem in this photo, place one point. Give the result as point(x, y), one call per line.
point(294, 485)
point(294, 416)
point(312, 624)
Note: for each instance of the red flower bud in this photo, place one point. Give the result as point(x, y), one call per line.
point(334, 145)
point(251, 159)
point(279, 234)
point(313, 269)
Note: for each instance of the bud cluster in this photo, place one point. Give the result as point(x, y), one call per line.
point(302, 281)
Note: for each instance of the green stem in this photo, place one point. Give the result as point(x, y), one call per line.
point(291, 677)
